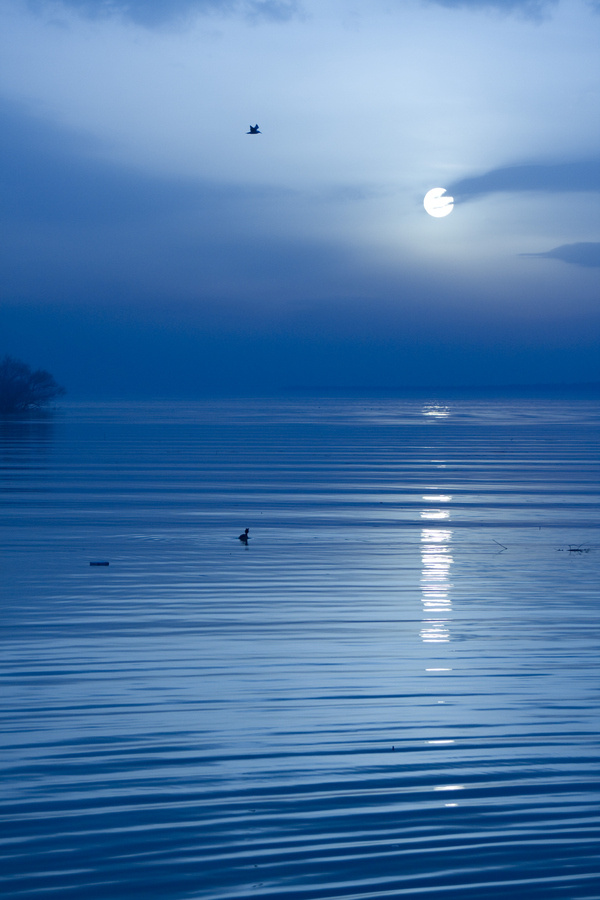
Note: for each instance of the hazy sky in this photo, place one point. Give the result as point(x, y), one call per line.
point(150, 246)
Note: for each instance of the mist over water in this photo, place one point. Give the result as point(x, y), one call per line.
point(392, 691)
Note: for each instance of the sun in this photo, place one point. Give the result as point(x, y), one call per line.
point(436, 204)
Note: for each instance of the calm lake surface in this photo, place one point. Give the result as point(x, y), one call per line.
point(392, 691)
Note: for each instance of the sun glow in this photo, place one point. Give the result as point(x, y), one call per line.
point(436, 204)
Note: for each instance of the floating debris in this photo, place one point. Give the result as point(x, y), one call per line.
point(575, 548)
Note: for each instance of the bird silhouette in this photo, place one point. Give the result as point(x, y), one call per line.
point(244, 537)
point(254, 130)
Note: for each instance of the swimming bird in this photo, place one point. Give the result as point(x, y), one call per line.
point(254, 130)
point(244, 537)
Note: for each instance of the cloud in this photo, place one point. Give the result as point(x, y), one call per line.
point(554, 178)
point(78, 226)
point(585, 254)
point(530, 8)
point(152, 13)
point(51, 175)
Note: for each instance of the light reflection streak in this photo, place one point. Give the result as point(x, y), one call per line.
point(436, 561)
point(433, 409)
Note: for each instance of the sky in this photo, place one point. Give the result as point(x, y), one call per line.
point(152, 248)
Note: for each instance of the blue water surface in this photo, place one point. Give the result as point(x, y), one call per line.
point(392, 691)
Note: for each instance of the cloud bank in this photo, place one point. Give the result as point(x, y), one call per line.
point(586, 253)
point(581, 176)
point(152, 13)
point(530, 8)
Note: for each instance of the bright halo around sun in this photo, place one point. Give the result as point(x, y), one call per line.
point(436, 204)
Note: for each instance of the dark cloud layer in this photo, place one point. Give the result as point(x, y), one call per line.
point(79, 227)
point(50, 175)
point(585, 254)
point(532, 8)
point(552, 178)
point(158, 12)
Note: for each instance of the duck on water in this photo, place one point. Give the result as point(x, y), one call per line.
point(244, 537)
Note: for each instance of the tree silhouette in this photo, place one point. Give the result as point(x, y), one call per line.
point(21, 388)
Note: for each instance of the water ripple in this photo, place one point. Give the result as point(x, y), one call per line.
point(391, 692)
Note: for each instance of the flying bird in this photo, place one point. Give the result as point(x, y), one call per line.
point(244, 537)
point(254, 130)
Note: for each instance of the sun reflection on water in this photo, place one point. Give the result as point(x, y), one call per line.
point(435, 514)
point(433, 409)
point(436, 561)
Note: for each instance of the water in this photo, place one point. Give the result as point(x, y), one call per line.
point(391, 692)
